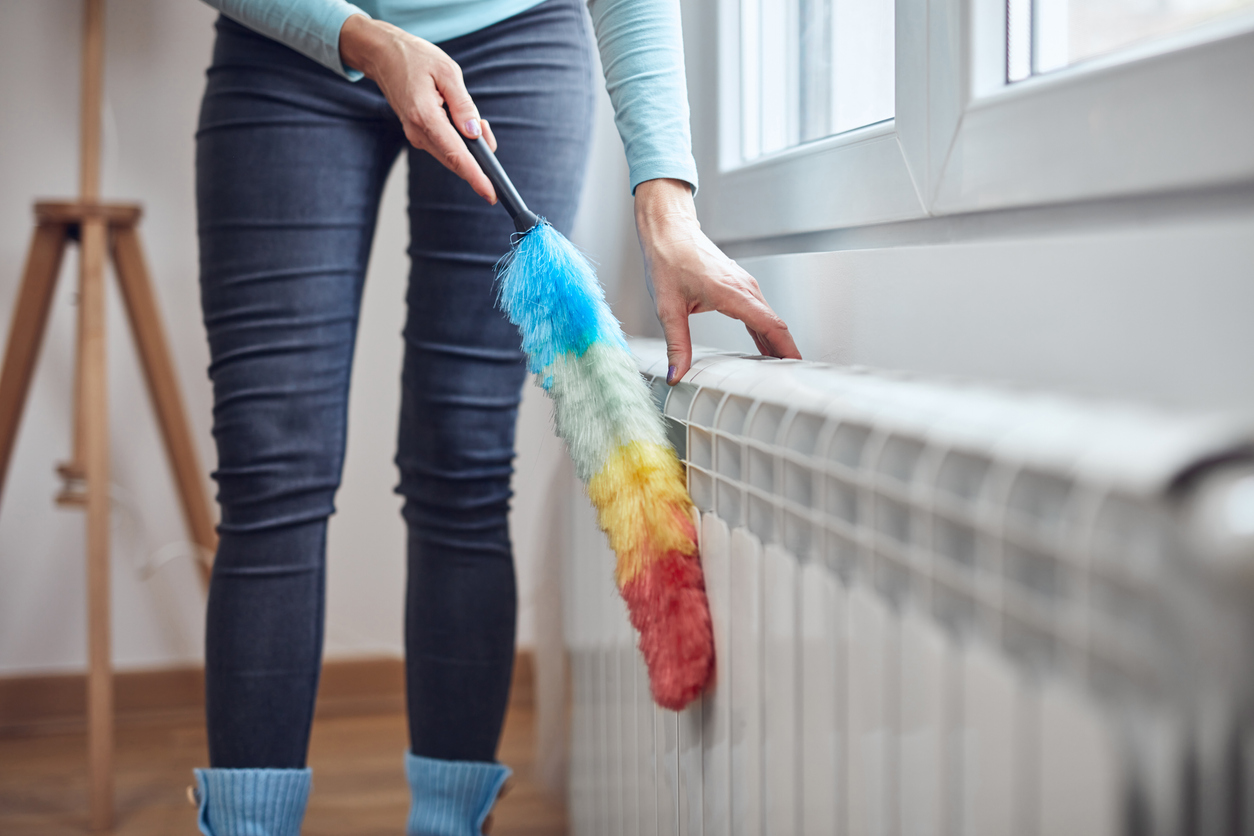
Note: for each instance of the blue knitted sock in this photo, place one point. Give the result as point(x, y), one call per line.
point(252, 802)
point(451, 798)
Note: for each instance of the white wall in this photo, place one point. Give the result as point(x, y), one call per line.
point(1155, 308)
point(156, 54)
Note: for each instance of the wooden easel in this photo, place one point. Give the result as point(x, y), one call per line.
point(101, 230)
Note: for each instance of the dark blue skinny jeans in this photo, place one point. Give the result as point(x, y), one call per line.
point(291, 160)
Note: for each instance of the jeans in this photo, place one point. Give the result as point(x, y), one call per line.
point(291, 160)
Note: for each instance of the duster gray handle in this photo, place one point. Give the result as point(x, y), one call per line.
point(524, 218)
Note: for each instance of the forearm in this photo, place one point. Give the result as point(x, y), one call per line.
point(311, 27)
point(641, 45)
point(642, 51)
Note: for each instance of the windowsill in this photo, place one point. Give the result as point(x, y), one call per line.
point(849, 138)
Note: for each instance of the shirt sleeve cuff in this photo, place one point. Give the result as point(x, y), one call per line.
point(672, 169)
point(329, 40)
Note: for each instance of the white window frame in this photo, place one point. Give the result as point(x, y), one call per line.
point(1174, 114)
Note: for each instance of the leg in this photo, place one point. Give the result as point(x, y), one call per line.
point(26, 332)
point(291, 162)
point(531, 77)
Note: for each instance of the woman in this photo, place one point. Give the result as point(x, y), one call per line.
point(293, 150)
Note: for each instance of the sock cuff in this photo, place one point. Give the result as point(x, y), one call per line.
point(451, 798)
point(252, 802)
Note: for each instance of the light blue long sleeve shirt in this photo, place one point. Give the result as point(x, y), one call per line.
point(640, 43)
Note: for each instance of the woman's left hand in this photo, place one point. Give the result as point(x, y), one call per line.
point(691, 275)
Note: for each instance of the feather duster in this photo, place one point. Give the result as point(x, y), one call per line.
point(603, 410)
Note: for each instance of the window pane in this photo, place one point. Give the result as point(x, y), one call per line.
point(862, 65)
point(750, 80)
point(1044, 35)
point(812, 68)
point(778, 100)
point(815, 20)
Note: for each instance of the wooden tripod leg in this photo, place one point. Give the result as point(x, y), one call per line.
point(26, 332)
point(154, 353)
point(94, 417)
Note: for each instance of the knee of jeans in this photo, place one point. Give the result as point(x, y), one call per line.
point(274, 491)
point(464, 501)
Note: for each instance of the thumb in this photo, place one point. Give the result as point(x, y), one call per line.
point(678, 343)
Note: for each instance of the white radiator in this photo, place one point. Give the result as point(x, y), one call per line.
point(938, 608)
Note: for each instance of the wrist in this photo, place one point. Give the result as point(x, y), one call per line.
point(664, 203)
point(362, 39)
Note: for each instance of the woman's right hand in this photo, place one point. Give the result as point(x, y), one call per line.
point(419, 80)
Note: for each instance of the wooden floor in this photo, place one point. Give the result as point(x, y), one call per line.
point(359, 784)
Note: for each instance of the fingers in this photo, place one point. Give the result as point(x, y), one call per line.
point(774, 340)
point(678, 342)
point(447, 146)
point(761, 344)
point(770, 333)
point(461, 108)
point(781, 344)
point(450, 149)
point(487, 134)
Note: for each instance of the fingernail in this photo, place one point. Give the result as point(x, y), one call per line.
point(472, 128)
point(670, 374)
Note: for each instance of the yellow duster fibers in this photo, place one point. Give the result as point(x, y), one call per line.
point(641, 505)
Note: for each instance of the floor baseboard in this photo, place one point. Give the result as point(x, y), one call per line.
point(55, 704)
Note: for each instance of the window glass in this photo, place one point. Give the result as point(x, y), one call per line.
point(812, 68)
point(1044, 35)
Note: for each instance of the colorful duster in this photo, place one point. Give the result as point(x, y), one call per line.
point(615, 435)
